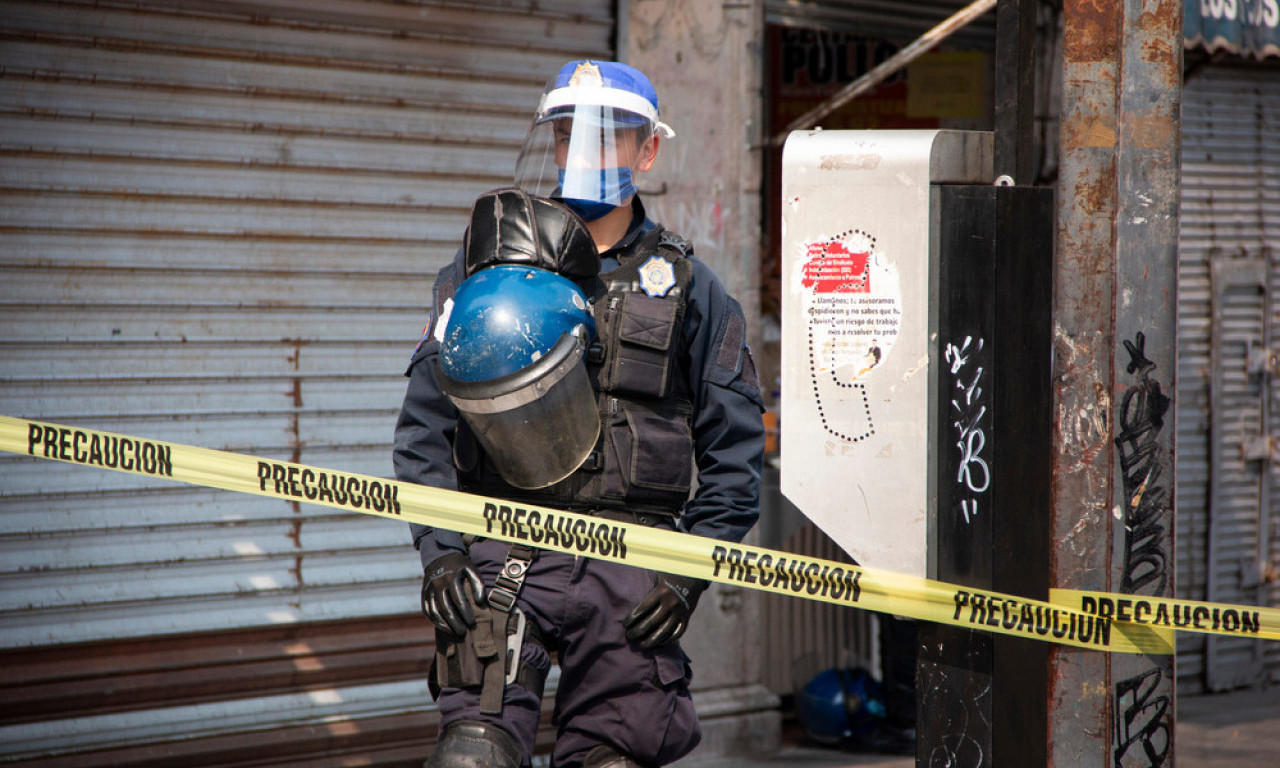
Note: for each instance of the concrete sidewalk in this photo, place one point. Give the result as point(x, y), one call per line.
point(1229, 730)
point(1232, 730)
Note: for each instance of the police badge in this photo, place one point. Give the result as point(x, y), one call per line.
point(657, 276)
point(587, 73)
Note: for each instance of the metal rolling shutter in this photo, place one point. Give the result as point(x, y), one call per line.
point(220, 224)
point(1228, 397)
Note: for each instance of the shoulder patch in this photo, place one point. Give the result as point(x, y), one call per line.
point(426, 334)
point(434, 329)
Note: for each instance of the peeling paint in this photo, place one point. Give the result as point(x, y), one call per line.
point(849, 162)
point(1089, 688)
point(1150, 132)
point(1090, 130)
point(920, 365)
point(1077, 530)
point(1098, 197)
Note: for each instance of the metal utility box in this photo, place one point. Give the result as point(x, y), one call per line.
point(917, 402)
point(859, 333)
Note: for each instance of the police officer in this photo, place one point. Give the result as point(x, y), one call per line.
point(672, 385)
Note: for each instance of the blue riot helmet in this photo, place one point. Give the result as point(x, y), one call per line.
point(512, 362)
point(839, 704)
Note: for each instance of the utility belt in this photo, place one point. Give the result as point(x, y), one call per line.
point(651, 518)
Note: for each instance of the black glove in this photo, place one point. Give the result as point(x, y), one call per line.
point(663, 615)
point(444, 593)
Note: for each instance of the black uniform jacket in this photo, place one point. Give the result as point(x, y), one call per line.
point(727, 428)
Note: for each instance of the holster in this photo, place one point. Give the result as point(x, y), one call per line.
point(488, 656)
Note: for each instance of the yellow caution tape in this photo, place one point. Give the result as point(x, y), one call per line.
point(1170, 613)
point(1081, 619)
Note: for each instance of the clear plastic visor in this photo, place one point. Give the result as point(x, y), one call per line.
point(584, 152)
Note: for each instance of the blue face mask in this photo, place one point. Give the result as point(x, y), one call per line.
point(620, 187)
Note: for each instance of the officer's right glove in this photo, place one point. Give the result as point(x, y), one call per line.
point(444, 593)
point(663, 615)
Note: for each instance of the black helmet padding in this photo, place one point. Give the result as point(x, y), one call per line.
point(510, 226)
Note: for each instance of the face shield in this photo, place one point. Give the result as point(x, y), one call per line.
point(588, 139)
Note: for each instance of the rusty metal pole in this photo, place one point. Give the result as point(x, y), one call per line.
point(1115, 296)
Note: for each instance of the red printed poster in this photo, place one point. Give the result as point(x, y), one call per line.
point(852, 303)
point(832, 268)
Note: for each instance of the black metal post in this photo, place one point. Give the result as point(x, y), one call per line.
point(1015, 89)
point(983, 697)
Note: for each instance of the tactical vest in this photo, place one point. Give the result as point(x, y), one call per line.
point(643, 461)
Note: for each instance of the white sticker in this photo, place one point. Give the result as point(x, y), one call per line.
point(443, 320)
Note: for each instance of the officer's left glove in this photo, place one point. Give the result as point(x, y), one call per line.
point(449, 587)
point(663, 615)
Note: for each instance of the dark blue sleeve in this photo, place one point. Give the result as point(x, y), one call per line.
point(423, 450)
point(728, 430)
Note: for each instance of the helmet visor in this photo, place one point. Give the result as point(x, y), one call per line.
point(583, 152)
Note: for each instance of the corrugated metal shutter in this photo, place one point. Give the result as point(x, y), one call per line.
point(886, 19)
point(221, 221)
point(1228, 391)
point(803, 637)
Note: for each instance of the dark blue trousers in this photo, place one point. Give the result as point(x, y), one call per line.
point(610, 692)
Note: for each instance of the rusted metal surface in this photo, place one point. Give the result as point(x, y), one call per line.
point(1083, 287)
point(1115, 303)
point(1145, 363)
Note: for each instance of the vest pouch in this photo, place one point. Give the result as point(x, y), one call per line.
point(641, 363)
point(650, 454)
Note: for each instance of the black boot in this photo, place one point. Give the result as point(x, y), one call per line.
point(605, 756)
point(473, 744)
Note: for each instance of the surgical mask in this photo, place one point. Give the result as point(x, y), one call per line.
point(615, 184)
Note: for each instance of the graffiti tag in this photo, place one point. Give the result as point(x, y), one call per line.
point(973, 472)
point(1146, 493)
point(1141, 719)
